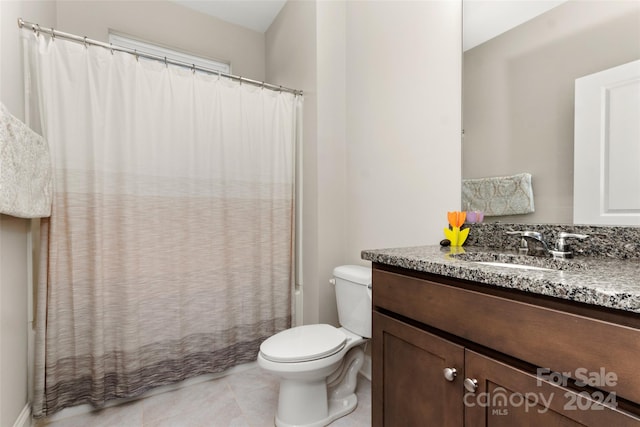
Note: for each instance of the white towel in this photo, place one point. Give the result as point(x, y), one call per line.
point(499, 195)
point(25, 169)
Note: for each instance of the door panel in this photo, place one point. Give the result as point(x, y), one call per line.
point(607, 147)
point(507, 396)
point(409, 387)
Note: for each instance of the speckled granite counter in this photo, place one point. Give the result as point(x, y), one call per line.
point(612, 283)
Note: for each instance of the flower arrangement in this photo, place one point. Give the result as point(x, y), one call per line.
point(453, 232)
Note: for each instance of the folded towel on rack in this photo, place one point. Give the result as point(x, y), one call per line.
point(499, 195)
point(25, 169)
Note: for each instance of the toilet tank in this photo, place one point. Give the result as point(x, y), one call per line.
point(353, 296)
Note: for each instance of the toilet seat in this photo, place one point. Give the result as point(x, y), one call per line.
point(303, 343)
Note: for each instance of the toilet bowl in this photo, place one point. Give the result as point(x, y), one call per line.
point(318, 365)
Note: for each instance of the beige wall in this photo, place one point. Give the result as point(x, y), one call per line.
point(167, 23)
point(291, 53)
point(14, 325)
point(306, 49)
point(15, 328)
point(519, 96)
point(382, 127)
point(331, 159)
point(403, 122)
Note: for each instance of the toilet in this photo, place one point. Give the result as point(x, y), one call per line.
point(318, 364)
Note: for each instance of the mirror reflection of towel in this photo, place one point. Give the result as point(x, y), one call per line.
point(500, 195)
point(25, 169)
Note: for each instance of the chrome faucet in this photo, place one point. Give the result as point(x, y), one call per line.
point(560, 250)
point(527, 237)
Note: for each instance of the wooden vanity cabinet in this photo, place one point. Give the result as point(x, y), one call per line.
point(424, 324)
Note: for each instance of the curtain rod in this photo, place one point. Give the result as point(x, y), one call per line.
point(56, 33)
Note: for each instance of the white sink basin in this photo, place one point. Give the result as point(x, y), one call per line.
point(509, 265)
point(517, 261)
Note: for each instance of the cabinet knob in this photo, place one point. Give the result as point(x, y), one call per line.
point(450, 373)
point(471, 384)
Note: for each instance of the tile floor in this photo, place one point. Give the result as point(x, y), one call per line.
point(242, 399)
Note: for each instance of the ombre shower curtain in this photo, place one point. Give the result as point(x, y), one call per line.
point(169, 251)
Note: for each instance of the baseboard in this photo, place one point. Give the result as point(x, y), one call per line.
point(365, 370)
point(24, 419)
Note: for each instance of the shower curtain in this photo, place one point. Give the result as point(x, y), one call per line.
point(169, 250)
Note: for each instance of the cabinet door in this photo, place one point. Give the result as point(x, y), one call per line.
point(409, 387)
point(507, 397)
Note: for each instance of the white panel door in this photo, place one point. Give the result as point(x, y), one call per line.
point(607, 147)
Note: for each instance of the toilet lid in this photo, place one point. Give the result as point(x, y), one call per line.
point(303, 343)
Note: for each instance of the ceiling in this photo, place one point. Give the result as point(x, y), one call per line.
point(256, 15)
point(486, 19)
point(483, 19)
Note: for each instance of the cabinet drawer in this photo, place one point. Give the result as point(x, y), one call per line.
point(562, 342)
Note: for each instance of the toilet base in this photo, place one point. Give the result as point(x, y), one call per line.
point(317, 403)
point(337, 409)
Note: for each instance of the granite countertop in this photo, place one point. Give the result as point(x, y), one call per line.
point(607, 282)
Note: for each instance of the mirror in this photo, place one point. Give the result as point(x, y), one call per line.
point(518, 90)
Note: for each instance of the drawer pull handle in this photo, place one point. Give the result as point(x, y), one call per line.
point(471, 384)
point(450, 373)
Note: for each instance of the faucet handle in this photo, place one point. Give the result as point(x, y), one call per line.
point(526, 233)
point(564, 235)
point(533, 234)
point(523, 242)
point(561, 243)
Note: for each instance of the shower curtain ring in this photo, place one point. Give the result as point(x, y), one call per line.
point(135, 53)
point(193, 68)
point(38, 31)
point(262, 87)
point(85, 42)
point(165, 62)
point(111, 44)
